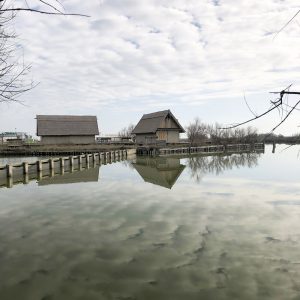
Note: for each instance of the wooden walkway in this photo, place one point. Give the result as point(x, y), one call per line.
point(213, 149)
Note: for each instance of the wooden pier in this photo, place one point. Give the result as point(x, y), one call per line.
point(25, 171)
point(213, 149)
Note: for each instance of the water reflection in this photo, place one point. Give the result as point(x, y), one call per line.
point(201, 165)
point(159, 171)
point(85, 175)
point(233, 237)
point(165, 171)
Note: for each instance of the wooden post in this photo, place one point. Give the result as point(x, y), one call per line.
point(25, 167)
point(71, 163)
point(39, 166)
point(87, 161)
point(62, 163)
point(51, 164)
point(99, 158)
point(9, 171)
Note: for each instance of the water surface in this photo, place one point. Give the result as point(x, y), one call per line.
point(222, 227)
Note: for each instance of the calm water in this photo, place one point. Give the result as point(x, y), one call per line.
point(200, 228)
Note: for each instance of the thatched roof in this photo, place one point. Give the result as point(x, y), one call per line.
point(58, 125)
point(150, 123)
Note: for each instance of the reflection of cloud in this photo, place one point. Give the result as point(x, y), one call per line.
point(120, 238)
point(285, 202)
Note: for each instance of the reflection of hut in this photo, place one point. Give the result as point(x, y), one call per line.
point(85, 175)
point(159, 171)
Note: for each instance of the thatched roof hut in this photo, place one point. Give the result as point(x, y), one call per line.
point(158, 126)
point(61, 129)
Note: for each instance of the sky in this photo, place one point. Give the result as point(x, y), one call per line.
point(198, 58)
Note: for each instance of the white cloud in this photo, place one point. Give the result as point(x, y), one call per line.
point(129, 50)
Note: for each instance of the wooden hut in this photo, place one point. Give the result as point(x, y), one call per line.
point(59, 129)
point(159, 126)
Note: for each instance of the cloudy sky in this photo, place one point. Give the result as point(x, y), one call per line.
point(196, 57)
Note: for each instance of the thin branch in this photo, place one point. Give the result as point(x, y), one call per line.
point(254, 114)
point(43, 12)
point(283, 27)
point(286, 116)
point(250, 120)
point(50, 5)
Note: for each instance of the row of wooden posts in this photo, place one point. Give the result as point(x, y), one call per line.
point(212, 149)
point(102, 157)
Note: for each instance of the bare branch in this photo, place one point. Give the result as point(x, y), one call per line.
point(283, 27)
point(43, 12)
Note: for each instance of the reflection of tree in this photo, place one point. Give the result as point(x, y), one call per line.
point(201, 165)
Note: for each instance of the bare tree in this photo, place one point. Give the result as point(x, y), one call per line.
point(13, 71)
point(126, 131)
point(196, 131)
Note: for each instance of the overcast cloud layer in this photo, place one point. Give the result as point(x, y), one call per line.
point(196, 57)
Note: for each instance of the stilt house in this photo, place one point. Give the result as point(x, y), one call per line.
point(58, 129)
point(159, 126)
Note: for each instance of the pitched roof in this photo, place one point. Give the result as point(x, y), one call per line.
point(59, 125)
point(150, 123)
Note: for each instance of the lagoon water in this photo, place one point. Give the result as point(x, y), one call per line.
point(220, 227)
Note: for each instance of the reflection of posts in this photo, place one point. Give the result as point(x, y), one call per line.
point(26, 179)
point(9, 171)
point(9, 182)
point(25, 168)
point(274, 147)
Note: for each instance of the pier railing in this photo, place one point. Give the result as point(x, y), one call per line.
point(214, 149)
point(25, 171)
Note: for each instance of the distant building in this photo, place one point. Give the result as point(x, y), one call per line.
point(58, 129)
point(160, 126)
point(8, 137)
point(113, 139)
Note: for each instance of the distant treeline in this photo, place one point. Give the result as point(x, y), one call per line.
point(202, 133)
point(199, 133)
point(271, 138)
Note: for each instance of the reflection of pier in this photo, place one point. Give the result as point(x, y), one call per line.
point(84, 175)
point(50, 168)
point(161, 171)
